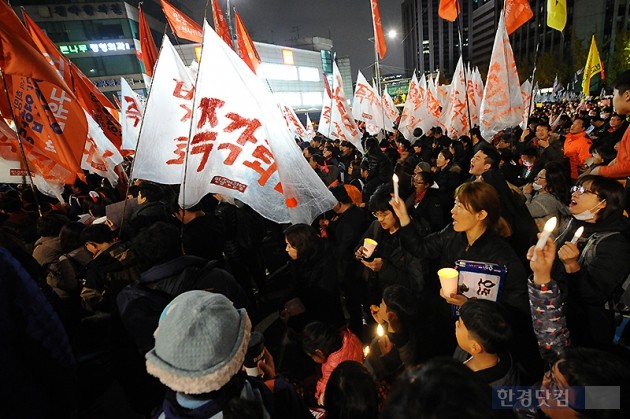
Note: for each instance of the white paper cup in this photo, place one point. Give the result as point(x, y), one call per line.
point(368, 247)
point(448, 280)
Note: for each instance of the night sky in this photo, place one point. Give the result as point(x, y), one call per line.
point(347, 22)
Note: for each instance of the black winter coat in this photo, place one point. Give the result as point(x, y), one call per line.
point(589, 289)
point(140, 304)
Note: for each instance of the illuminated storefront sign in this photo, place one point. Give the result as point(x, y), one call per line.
point(99, 47)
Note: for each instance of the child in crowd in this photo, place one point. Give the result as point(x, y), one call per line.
point(328, 346)
point(483, 332)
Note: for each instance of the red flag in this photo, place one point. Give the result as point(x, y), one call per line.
point(246, 49)
point(379, 37)
point(147, 44)
point(517, 12)
point(89, 96)
point(46, 112)
point(183, 26)
point(448, 10)
point(220, 26)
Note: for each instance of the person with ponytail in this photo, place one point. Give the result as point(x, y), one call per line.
point(476, 234)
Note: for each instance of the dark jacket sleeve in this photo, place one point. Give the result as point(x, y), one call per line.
point(430, 246)
point(611, 264)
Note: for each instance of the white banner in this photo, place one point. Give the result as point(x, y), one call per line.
point(502, 104)
point(100, 156)
point(164, 136)
point(241, 147)
point(130, 115)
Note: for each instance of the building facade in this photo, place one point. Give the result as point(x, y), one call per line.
point(431, 43)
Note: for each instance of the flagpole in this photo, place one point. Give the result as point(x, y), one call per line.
point(460, 23)
point(531, 92)
point(22, 152)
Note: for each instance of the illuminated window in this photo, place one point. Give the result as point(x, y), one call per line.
point(287, 56)
point(289, 98)
point(312, 98)
point(277, 71)
point(308, 73)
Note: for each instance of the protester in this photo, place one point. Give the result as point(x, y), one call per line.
point(590, 270)
point(328, 346)
point(576, 147)
point(351, 393)
point(548, 195)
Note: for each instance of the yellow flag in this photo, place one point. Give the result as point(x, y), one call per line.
point(557, 14)
point(593, 66)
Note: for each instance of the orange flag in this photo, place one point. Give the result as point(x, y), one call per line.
point(149, 51)
point(183, 26)
point(220, 26)
point(379, 37)
point(46, 112)
point(517, 12)
point(448, 10)
point(89, 96)
point(246, 49)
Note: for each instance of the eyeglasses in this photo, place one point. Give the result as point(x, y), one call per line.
point(540, 177)
point(381, 214)
point(582, 190)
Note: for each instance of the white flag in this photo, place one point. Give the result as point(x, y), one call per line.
point(367, 106)
point(240, 144)
point(411, 111)
point(100, 156)
point(526, 91)
point(391, 112)
point(476, 96)
point(342, 124)
point(163, 140)
point(434, 108)
point(310, 130)
point(293, 123)
point(325, 127)
point(502, 104)
point(130, 115)
point(455, 115)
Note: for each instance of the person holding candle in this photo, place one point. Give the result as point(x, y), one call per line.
point(592, 270)
point(476, 234)
point(389, 264)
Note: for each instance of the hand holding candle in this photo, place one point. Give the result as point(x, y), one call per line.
point(550, 225)
point(395, 181)
point(577, 235)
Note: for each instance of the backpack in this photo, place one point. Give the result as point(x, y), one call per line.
point(620, 299)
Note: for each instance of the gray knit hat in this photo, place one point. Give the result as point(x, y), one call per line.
point(200, 343)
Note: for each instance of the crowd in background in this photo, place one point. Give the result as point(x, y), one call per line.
point(213, 311)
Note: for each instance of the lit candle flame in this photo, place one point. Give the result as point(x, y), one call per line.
point(550, 225)
point(380, 332)
point(577, 235)
point(366, 351)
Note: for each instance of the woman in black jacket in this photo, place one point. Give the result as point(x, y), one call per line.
point(390, 264)
point(592, 270)
point(425, 203)
point(314, 295)
point(476, 234)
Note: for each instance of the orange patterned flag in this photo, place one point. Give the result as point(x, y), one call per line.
point(379, 37)
point(183, 26)
point(88, 95)
point(149, 51)
point(46, 111)
point(220, 26)
point(517, 12)
point(448, 10)
point(246, 49)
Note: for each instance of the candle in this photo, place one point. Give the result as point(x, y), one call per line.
point(395, 180)
point(380, 332)
point(550, 225)
point(366, 351)
point(577, 235)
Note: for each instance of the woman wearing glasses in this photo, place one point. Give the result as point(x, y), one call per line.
point(548, 195)
point(592, 270)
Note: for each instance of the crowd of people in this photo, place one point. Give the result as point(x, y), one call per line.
point(131, 306)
